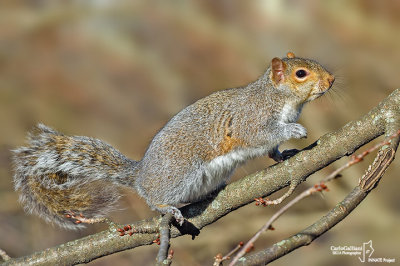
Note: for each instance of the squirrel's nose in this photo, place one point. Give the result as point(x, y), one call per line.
point(331, 79)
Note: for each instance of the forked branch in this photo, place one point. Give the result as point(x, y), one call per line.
point(366, 183)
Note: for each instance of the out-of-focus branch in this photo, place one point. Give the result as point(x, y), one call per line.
point(4, 256)
point(326, 150)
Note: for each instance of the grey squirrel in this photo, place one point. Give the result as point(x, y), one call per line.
point(74, 180)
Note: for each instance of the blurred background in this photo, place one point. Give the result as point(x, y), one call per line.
point(118, 70)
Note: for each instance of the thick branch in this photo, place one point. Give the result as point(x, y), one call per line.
point(326, 150)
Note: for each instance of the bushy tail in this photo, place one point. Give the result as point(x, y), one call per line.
point(58, 175)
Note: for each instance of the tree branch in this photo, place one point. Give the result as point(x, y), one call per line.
point(369, 181)
point(164, 240)
point(326, 150)
point(366, 183)
point(4, 256)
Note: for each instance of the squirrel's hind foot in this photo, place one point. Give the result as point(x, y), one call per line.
point(164, 208)
point(178, 216)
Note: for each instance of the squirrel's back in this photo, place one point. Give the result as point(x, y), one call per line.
point(198, 149)
point(61, 176)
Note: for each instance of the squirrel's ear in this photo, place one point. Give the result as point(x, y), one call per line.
point(290, 55)
point(277, 69)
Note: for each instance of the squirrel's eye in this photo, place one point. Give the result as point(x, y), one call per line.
point(301, 73)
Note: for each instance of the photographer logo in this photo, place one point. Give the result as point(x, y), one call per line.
point(363, 252)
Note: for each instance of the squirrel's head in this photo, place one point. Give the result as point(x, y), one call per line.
point(304, 78)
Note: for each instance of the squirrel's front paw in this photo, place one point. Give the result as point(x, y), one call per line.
point(296, 131)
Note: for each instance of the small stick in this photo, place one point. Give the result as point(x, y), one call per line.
point(164, 239)
point(219, 258)
point(358, 158)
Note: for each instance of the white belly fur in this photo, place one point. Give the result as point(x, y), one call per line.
point(216, 172)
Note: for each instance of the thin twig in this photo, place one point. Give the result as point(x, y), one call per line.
point(227, 256)
point(162, 256)
point(316, 188)
point(358, 158)
point(219, 258)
